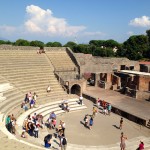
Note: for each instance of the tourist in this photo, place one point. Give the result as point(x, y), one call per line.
point(141, 146)
point(30, 96)
point(121, 123)
point(86, 121)
point(98, 102)
point(66, 107)
point(122, 143)
point(63, 126)
point(13, 122)
point(26, 99)
point(36, 131)
point(63, 104)
point(104, 110)
point(81, 100)
point(47, 141)
point(94, 111)
point(53, 123)
point(48, 89)
point(63, 142)
point(8, 123)
point(32, 103)
point(52, 115)
point(35, 97)
point(91, 123)
point(109, 107)
point(30, 128)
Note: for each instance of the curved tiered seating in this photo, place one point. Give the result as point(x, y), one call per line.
point(28, 71)
point(61, 60)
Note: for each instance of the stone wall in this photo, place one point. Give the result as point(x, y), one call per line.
point(141, 95)
point(11, 47)
point(144, 83)
point(88, 63)
point(54, 48)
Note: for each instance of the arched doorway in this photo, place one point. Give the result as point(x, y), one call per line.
point(76, 89)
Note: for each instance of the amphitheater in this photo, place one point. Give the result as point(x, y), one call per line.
point(23, 70)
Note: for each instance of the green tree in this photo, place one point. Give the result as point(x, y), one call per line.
point(111, 43)
point(71, 45)
point(81, 48)
point(136, 46)
point(5, 42)
point(148, 34)
point(109, 52)
point(37, 44)
point(97, 43)
point(22, 42)
point(2, 42)
point(56, 44)
point(49, 44)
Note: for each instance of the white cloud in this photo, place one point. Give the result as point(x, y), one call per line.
point(144, 21)
point(43, 22)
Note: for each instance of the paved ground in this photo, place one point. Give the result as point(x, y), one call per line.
point(126, 103)
point(104, 130)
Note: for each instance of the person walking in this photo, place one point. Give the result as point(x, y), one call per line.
point(122, 143)
point(109, 109)
point(94, 111)
point(63, 142)
point(121, 123)
point(86, 121)
point(36, 131)
point(81, 100)
point(91, 123)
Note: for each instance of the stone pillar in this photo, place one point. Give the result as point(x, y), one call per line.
point(109, 78)
point(97, 78)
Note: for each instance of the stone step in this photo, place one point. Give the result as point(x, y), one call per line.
point(5, 87)
point(57, 110)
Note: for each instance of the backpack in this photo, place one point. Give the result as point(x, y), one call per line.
point(64, 141)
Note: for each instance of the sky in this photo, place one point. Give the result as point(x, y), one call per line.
point(73, 20)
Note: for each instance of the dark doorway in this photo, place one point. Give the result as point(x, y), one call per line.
point(123, 67)
point(76, 89)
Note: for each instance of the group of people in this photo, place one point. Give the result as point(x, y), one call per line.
point(32, 124)
point(64, 105)
point(52, 121)
point(29, 101)
point(106, 107)
point(60, 132)
point(11, 123)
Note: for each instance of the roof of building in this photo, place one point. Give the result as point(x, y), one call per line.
point(144, 63)
point(135, 72)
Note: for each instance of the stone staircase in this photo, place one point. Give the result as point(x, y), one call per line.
point(61, 60)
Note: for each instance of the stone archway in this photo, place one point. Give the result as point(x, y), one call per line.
point(76, 89)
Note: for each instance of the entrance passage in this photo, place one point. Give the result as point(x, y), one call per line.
point(76, 89)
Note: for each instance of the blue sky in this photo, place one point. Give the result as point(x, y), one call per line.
point(73, 20)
